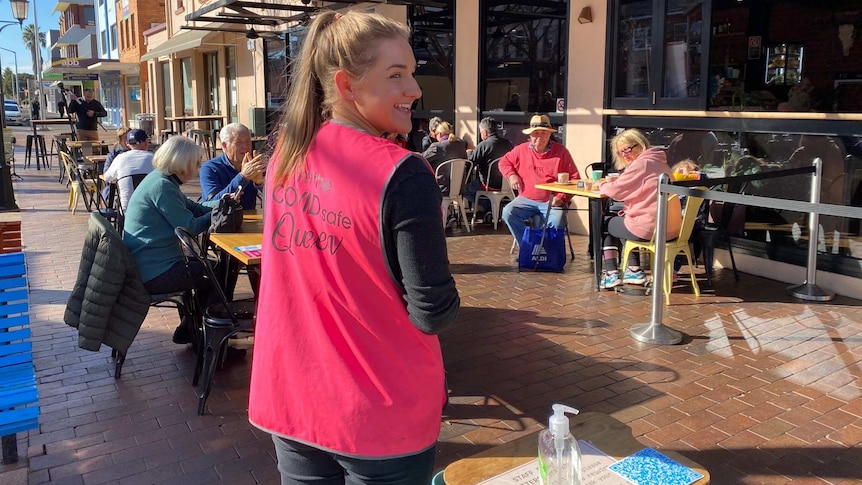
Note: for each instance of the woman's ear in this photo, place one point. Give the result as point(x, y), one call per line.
point(344, 85)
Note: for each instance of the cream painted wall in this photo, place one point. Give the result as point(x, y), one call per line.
point(467, 70)
point(584, 127)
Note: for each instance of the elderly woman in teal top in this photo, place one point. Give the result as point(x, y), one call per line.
point(156, 208)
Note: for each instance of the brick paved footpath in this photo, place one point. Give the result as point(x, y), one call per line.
point(764, 390)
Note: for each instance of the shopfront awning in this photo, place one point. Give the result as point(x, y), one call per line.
point(271, 13)
point(127, 68)
point(180, 42)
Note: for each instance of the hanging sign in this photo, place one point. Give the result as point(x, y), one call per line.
point(754, 44)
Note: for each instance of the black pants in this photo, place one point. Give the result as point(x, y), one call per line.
point(617, 233)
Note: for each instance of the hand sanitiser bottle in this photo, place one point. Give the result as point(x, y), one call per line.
point(559, 456)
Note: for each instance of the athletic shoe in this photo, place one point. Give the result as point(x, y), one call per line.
point(610, 280)
point(634, 277)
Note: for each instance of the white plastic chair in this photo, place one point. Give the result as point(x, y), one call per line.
point(458, 168)
point(495, 197)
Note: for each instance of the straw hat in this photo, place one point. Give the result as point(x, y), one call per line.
point(539, 122)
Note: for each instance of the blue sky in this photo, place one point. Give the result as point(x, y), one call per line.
point(10, 37)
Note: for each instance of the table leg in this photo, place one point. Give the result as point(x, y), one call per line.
point(597, 216)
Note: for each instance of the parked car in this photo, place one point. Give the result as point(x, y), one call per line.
point(14, 116)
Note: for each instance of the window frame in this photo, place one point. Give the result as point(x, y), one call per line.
point(654, 98)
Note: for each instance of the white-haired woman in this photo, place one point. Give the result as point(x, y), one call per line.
point(156, 208)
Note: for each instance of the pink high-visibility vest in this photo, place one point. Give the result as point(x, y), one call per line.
point(337, 363)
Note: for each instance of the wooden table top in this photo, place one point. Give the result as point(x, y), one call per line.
point(196, 118)
point(251, 235)
point(52, 121)
point(94, 159)
point(571, 188)
point(604, 432)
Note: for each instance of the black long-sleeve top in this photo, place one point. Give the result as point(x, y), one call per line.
point(414, 245)
point(80, 108)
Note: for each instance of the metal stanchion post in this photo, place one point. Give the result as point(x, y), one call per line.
point(809, 289)
point(654, 332)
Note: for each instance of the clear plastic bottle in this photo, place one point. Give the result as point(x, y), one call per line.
point(559, 455)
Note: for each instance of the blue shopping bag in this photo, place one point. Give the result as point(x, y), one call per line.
point(550, 256)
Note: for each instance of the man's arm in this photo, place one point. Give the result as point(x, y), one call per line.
point(100, 111)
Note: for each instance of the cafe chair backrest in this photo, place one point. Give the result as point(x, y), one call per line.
point(192, 252)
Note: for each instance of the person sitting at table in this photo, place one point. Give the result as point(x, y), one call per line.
point(138, 160)
point(492, 147)
point(237, 166)
point(347, 373)
point(156, 208)
point(121, 146)
point(447, 147)
point(636, 187)
point(537, 161)
point(87, 113)
point(431, 137)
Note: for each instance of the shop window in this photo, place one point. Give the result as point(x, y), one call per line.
point(187, 77)
point(167, 91)
point(433, 46)
point(524, 56)
point(658, 48)
point(275, 69)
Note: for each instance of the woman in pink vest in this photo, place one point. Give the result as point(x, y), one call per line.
point(347, 373)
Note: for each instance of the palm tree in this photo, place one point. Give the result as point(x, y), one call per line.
point(29, 35)
point(9, 84)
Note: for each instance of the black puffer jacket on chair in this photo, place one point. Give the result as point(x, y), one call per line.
point(108, 303)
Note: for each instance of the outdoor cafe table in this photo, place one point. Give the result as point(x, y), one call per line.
point(597, 212)
point(179, 122)
point(40, 147)
point(602, 431)
point(251, 235)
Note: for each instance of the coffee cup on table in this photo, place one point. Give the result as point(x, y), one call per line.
point(563, 178)
point(612, 176)
point(597, 174)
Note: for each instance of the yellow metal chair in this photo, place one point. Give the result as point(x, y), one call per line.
point(79, 185)
point(680, 245)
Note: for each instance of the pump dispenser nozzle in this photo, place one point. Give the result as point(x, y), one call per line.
point(559, 423)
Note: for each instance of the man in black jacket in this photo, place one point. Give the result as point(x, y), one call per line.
point(492, 147)
point(88, 111)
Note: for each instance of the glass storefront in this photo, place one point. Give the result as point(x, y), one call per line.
point(780, 235)
point(780, 56)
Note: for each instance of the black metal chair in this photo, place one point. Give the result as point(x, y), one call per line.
point(221, 320)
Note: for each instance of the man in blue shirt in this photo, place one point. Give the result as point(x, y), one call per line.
point(236, 167)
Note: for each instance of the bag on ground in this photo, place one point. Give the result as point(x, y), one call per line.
point(536, 256)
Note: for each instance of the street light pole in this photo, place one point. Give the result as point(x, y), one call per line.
point(17, 88)
point(7, 194)
point(42, 101)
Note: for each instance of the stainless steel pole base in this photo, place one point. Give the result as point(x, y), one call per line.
point(655, 333)
point(809, 292)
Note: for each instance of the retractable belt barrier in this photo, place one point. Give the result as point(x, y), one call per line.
point(654, 331)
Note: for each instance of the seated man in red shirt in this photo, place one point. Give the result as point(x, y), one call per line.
point(537, 161)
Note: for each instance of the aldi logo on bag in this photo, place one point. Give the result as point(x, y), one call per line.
point(535, 255)
point(539, 254)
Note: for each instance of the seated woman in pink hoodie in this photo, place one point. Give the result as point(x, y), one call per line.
point(636, 187)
